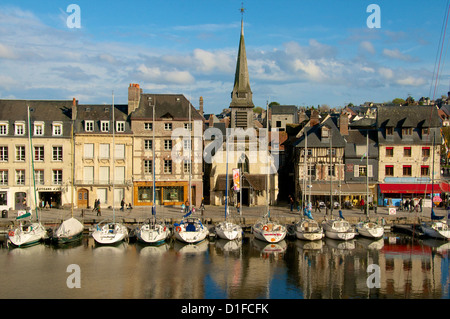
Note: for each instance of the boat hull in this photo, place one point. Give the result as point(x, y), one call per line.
point(67, 239)
point(340, 235)
point(308, 230)
point(308, 235)
point(152, 236)
point(108, 235)
point(190, 231)
point(228, 231)
point(437, 230)
point(370, 231)
point(270, 235)
point(338, 229)
point(34, 234)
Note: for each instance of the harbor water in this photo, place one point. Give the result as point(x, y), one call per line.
point(397, 266)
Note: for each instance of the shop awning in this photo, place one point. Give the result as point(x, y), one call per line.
point(409, 188)
point(344, 189)
point(445, 187)
point(255, 181)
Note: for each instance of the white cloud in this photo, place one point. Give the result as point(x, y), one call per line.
point(396, 54)
point(6, 52)
point(386, 73)
point(411, 81)
point(367, 46)
point(165, 76)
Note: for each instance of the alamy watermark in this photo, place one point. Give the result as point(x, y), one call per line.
point(374, 20)
point(237, 145)
point(74, 19)
point(374, 279)
point(74, 279)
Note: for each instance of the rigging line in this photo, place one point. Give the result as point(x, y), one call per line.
point(437, 51)
point(440, 56)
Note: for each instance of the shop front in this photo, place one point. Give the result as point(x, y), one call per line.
point(166, 193)
point(395, 194)
point(49, 197)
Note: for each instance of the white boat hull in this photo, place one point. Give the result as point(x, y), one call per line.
point(69, 230)
point(338, 229)
point(32, 234)
point(370, 230)
point(190, 231)
point(109, 234)
point(308, 230)
point(437, 230)
point(155, 234)
point(269, 232)
point(229, 231)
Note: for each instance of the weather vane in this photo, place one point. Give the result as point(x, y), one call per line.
point(242, 9)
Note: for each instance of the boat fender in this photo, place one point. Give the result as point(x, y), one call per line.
point(265, 228)
point(11, 233)
point(178, 228)
point(165, 228)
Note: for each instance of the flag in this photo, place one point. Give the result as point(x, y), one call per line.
point(364, 155)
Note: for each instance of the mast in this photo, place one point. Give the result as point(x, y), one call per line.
point(367, 175)
point(154, 159)
point(32, 166)
point(190, 159)
point(72, 167)
point(113, 158)
point(432, 173)
point(226, 173)
point(331, 176)
point(268, 159)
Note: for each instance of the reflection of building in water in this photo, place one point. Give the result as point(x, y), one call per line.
point(411, 271)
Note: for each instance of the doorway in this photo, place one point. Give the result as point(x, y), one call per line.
point(245, 196)
point(83, 198)
point(20, 200)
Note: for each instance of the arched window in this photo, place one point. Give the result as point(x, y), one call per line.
point(243, 163)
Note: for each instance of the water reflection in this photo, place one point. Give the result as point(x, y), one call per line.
point(245, 269)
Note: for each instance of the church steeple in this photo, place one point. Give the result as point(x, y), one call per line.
point(241, 97)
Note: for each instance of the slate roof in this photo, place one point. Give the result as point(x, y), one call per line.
point(408, 116)
point(40, 110)
point(315, 135)
point(175, 105)
point(283, 109)
point(98, 113)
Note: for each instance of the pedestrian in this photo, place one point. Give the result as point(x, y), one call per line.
point(317, 206)
point(99, 213)
point(291, 202)
point(362, 204)
point(129, 206)
point(186, 206)
point(95, 205)
point(406, 204)
point(238, 206)
point(122, 204)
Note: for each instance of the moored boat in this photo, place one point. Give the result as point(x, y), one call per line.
point(190, 230)
point(69, 231)
point(436, 229)
point(269, 231)
point(369, 229)
point(27, 234)
point(338, 229)
point(308, 229)
point(153, 232)
point(108, 233)
point(228, 230)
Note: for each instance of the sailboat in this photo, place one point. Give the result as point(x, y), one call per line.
point(227, 229)
point(153, 231)
point(70, 230)
point(28, 233)
point(437, 227)
point(265, 229)
point(110, 232)
point(337, 228)
point(367, 228)
point(190, 229)
point(307, 228)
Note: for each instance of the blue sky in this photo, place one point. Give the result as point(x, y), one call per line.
point(299, 52)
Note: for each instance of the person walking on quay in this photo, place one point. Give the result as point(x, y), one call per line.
point(122, 204)
point(317, 206)
point(291, 202)
point(361, 203)
point(420, 204)
point(186, 207)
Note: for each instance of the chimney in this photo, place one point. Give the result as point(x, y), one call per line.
point(134, 96)
point(343, 123)
point(200, 105)
point(74, 109)
point(314, 120)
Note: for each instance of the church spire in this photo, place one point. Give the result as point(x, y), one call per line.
point(242, 93)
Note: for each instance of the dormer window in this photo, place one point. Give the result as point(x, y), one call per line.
point(38, 128)
point(57, 129)
point(120, 126)
point(19, 128)
point(407, 131)
point(3, 128)
point(104, 126)
point(325, 132)
point(425, 131)
point(89, 126)
point(389, 131)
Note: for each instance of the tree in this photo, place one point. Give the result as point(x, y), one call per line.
point(398, 101)
point(258, 109)
point(273, 103)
